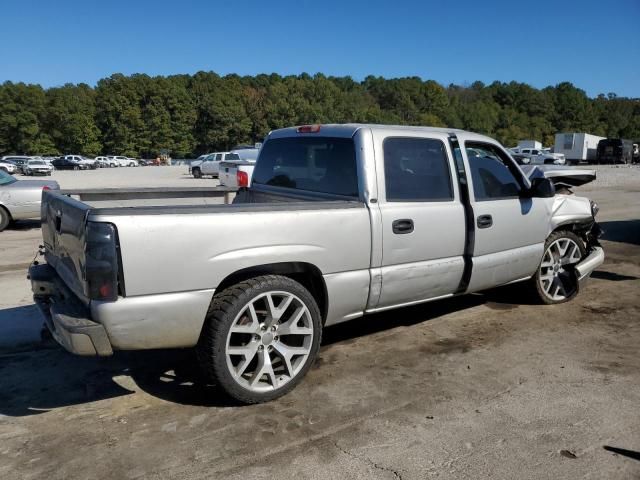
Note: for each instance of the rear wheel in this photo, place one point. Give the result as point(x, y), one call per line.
point(197, 173)
point(556, 280)
point(260, 338)
point(5, 219)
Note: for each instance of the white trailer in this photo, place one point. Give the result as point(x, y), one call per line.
point(577, 147)
point(529, 144)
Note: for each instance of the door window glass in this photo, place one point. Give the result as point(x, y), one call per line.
point(416, 170)
point(491, 176)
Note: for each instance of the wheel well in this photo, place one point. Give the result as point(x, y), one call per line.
point(306, 274)
point(579, 228)
point(7, 211)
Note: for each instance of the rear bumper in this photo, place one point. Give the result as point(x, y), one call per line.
point(65, 316)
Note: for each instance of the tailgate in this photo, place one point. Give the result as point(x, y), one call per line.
point(63, 232)
point(227, 174)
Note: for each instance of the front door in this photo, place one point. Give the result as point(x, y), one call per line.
point(509, 228)
point(423, 221)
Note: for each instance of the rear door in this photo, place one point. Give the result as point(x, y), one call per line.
point(509, 228)
point(423, 221)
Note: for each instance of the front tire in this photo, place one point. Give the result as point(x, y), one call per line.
point(556, 280)
point(260, 338)
point(5, 218)
point(197, 173)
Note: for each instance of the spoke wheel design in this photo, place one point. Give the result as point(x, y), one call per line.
point(269, 341)
point(557, 277)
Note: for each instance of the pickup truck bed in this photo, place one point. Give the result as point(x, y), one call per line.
point(166, 289)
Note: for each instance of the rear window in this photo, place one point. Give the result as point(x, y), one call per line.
point(232, 156)
point(316, 164)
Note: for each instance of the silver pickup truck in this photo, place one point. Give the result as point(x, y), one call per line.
point(340, 221)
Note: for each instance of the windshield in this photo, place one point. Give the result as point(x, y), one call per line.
point(5, 178)
point(316, 164)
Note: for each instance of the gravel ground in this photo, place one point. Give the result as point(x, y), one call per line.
point(474, 387)
point(621, 176)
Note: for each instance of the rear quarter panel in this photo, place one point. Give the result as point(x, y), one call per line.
point(187, 252)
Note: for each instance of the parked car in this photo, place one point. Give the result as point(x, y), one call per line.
point(541, 156)
point(67, 163)
point(84, 162)
point(124, 161)
point(8, 166)
point(340, 221)
point(20, 199)
point(236, 173)
point(37, 167)
point(197, 161)
point(614, 150)
point(144, 162)
point(210, 165)
point(17, 160)
point(106, 162)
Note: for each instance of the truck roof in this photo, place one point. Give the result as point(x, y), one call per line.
point(349, 129)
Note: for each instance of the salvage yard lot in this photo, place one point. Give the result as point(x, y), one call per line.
point(476, 386)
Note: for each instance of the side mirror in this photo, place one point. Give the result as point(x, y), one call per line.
point(541, 187)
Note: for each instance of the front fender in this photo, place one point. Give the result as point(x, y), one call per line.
point(570, 209)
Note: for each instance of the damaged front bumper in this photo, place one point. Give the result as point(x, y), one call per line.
point(590, 263)
point(595, 255)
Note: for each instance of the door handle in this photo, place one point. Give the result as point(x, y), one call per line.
point(404, 225)
point(484, 221)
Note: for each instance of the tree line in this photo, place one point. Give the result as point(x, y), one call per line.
point(187, 115)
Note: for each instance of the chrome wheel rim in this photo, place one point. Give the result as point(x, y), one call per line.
point(269, 341)
point(557, 278)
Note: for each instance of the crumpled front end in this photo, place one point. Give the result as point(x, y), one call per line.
point(578, 214)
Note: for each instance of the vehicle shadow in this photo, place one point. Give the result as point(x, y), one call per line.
point(23, 225)
point(38, 381)
point(612, 276)
point(624, 231)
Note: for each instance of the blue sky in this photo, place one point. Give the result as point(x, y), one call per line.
point(593, 44)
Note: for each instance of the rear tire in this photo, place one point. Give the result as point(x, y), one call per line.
point(5, 218)
point(556, 280)
point(260, 338)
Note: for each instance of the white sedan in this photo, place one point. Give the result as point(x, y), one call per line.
point(37, 167)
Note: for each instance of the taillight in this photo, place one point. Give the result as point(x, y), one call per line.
point(309, 129)
point(243, 178)
point(46, 188)
point(101, 256)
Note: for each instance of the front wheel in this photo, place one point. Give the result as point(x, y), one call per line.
point(5, 219)
point(197, 173)
point(556, 280)
point(260, 338)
